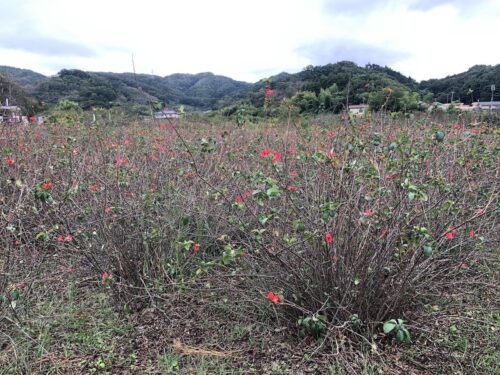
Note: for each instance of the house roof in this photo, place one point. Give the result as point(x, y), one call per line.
point(10, 108)
point(487, 104)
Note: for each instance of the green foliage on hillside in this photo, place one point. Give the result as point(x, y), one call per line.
point(331, 87)
point(24, 78)
point(17, 96)
point(316, 89)
point(89, 89)
point(472, 85)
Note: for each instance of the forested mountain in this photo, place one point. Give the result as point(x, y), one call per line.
point(17, 96)
point(91, 89)
point(24, 78)
point(331, 87)
point(316, 88)
point(472, 85)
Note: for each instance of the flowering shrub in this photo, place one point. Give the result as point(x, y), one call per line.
point(360, 223)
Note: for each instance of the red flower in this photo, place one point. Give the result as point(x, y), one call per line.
point(331, 134)
point(269, 92)
point(457, 126)
point(67, 238)
point(293, 174)
point(238, 199)
point(328, 238)
point(276, 156)
point(274, 298)
point(22, 285)
point(126, 142)
point(479, 211)
point(450, 233)
point(46, 185)
point(475, 131)
point(291, 150)
point(93, 187)
point(9, 161)
point(265, 152)
point(292, 187)
point(163, 126)
point(108, 210)
point(330, 154)
point(121, 161)
point(196, 247)
point(105, 277)
point(368, 212)
point(472, 233)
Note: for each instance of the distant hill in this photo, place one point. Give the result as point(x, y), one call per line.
point(315, 88)
point(201, 90)
point(17, 95)
point(472, 85)
point(329, 87)
point(24, 78)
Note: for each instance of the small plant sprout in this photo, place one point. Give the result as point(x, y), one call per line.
point(397, 326)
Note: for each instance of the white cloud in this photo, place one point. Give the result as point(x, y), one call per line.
point(248, 40)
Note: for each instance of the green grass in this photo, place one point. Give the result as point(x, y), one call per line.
point(67, 330)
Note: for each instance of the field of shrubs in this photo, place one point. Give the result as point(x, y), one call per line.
point(326, 245)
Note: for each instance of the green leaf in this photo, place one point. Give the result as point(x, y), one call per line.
point(400, 335)
point(273, 191)
point(439, 136)
point(406, 335)
point(427, 250)
point(298, 226)
point(389, 326)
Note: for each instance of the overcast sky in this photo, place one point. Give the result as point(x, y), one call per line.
point(249, 40)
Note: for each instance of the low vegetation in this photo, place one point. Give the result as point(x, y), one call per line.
point(295, 245)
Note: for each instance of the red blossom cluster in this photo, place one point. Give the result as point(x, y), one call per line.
point(46, 185)
point(274, 298)
point(104, 277)
point(328, 238)
point(66, 238)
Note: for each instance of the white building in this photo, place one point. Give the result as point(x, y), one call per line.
point(358, 109)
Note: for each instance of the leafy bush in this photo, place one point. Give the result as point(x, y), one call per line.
point(342, 228)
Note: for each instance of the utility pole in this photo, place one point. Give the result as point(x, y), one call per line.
point(452, 96)
point(491, 100)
